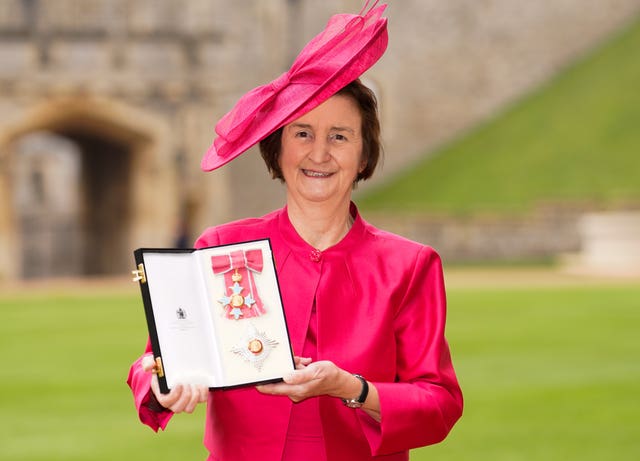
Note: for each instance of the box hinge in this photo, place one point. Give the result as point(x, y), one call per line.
point(158, 369)
point(139, 275)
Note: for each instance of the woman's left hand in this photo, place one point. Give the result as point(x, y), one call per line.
point(313, 379)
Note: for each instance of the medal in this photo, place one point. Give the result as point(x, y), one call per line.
point(254, 347)
point(242, 300)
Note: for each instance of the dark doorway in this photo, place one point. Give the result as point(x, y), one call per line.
point(105, 192)
point(71, 197)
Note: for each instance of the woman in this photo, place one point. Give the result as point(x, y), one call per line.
point(365, 308)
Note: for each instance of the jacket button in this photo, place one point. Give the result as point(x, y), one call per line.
point(315, 256)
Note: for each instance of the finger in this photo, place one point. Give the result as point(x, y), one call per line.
point(265, 388)
point(195, 399)
point(301, 362)
point(298, 376)
point(200, 394)
point(170, 399)
point(290, 378)
point(148, 364)
point(274, 389)
point(155, 388)
point(298, 393)
point(183, 400)
point(204, 393)
point(294, 392)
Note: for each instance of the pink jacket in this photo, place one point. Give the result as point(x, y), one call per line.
point(381, 310)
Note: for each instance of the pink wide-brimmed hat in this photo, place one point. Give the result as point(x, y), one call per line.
point(348, 46)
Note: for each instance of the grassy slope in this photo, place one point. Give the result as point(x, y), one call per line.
point(548, 373)
point(577, 139)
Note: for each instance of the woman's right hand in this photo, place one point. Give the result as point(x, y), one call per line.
point(182, 398)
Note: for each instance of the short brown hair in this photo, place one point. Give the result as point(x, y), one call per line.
point(365, 99)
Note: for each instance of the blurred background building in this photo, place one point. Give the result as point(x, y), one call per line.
point(106, 106)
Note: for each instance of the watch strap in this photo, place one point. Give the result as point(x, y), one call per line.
point(358, 401)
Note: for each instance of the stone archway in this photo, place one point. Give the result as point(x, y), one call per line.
point(104, 174)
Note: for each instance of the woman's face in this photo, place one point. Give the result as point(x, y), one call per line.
point(322, 152)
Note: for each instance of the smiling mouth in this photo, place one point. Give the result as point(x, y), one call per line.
point(316, 174)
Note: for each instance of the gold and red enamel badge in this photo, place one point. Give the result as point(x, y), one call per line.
point(242, 300)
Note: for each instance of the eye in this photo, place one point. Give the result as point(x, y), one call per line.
point(302, 134)
point(338, 137)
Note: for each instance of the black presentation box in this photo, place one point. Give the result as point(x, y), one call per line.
point(215, 315)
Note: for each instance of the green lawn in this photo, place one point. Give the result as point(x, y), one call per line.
point(548, 373)
point(62, 383)
point(575, 140)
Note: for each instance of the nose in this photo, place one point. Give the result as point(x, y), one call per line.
point(320, 150)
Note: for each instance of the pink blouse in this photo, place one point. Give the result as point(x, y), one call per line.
point(380, 312)
point(304, 434)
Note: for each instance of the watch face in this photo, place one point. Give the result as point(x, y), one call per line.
point(352, 403)
point(358, 402)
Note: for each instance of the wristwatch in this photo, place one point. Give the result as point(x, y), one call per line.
point(359, 401)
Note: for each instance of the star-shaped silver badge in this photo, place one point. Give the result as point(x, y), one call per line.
point(254, 347)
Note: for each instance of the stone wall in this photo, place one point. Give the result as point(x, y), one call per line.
point(538, 237)
point(610, 244)
point(579, 241)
